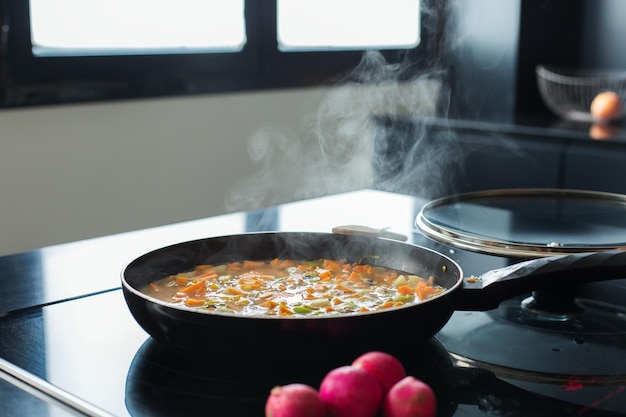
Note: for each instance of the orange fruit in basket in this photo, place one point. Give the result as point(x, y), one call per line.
point(605, 105)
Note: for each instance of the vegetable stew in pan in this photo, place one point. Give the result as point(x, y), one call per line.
point(286, 287)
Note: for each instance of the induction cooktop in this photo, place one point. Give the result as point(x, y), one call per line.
point(91, 349)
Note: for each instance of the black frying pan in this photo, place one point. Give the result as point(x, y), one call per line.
point(186, 329)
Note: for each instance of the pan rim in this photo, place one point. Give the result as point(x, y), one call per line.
point(128, 287)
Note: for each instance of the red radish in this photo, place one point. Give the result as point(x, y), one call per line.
point(386, 368)
point(349, 391)
point(294, 400)
point(410, 398)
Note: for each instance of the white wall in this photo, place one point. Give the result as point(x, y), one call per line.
point(79, 171)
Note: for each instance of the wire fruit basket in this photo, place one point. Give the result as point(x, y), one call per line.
point(569, 92)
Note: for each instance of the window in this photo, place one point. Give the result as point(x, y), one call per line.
point(347, 25)
point(109, 27)
point(106, 49)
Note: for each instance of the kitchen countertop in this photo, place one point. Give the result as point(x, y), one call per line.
point(57, 273)
point(64, 324)
point(543, 127)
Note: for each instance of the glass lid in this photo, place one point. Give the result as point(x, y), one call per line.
point(527, 222)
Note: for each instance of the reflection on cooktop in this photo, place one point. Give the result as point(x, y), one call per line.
point(575, 356)
point(98, 353)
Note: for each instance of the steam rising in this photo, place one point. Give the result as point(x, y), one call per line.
point(346, 146)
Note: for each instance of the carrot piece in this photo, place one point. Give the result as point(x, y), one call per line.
point(354, 295)
point(343, 288)
point(284, 311)
point(424, 291)
point(387, 304)
point(364, 269)
point(341, 277)
point(207, 275)
point(419, 291)
point(251, 281)
point(181, 281)
point(325, 274)
point(155, 287)
point(405, 290)
point(266, 277)
point(248, 288)
point(194, 287)
point(269, 304)
point(355, 276)
point(194, 302)
point(332, 265)
point(252, 264)
point(203, 268)
point(286, 264)
point(234, 291)
point(234, 266)
point(275, 262)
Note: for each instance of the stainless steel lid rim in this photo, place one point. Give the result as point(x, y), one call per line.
point(482, 243)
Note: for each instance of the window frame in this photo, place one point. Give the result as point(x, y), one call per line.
point(29, 79)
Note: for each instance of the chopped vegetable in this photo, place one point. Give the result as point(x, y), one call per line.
point(289, 287)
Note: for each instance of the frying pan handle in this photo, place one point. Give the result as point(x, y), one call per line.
point(556, 272)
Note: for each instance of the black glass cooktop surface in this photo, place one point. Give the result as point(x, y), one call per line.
point(69, 328)
point(93, 349)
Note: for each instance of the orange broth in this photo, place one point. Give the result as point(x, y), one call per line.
point(293, 288)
